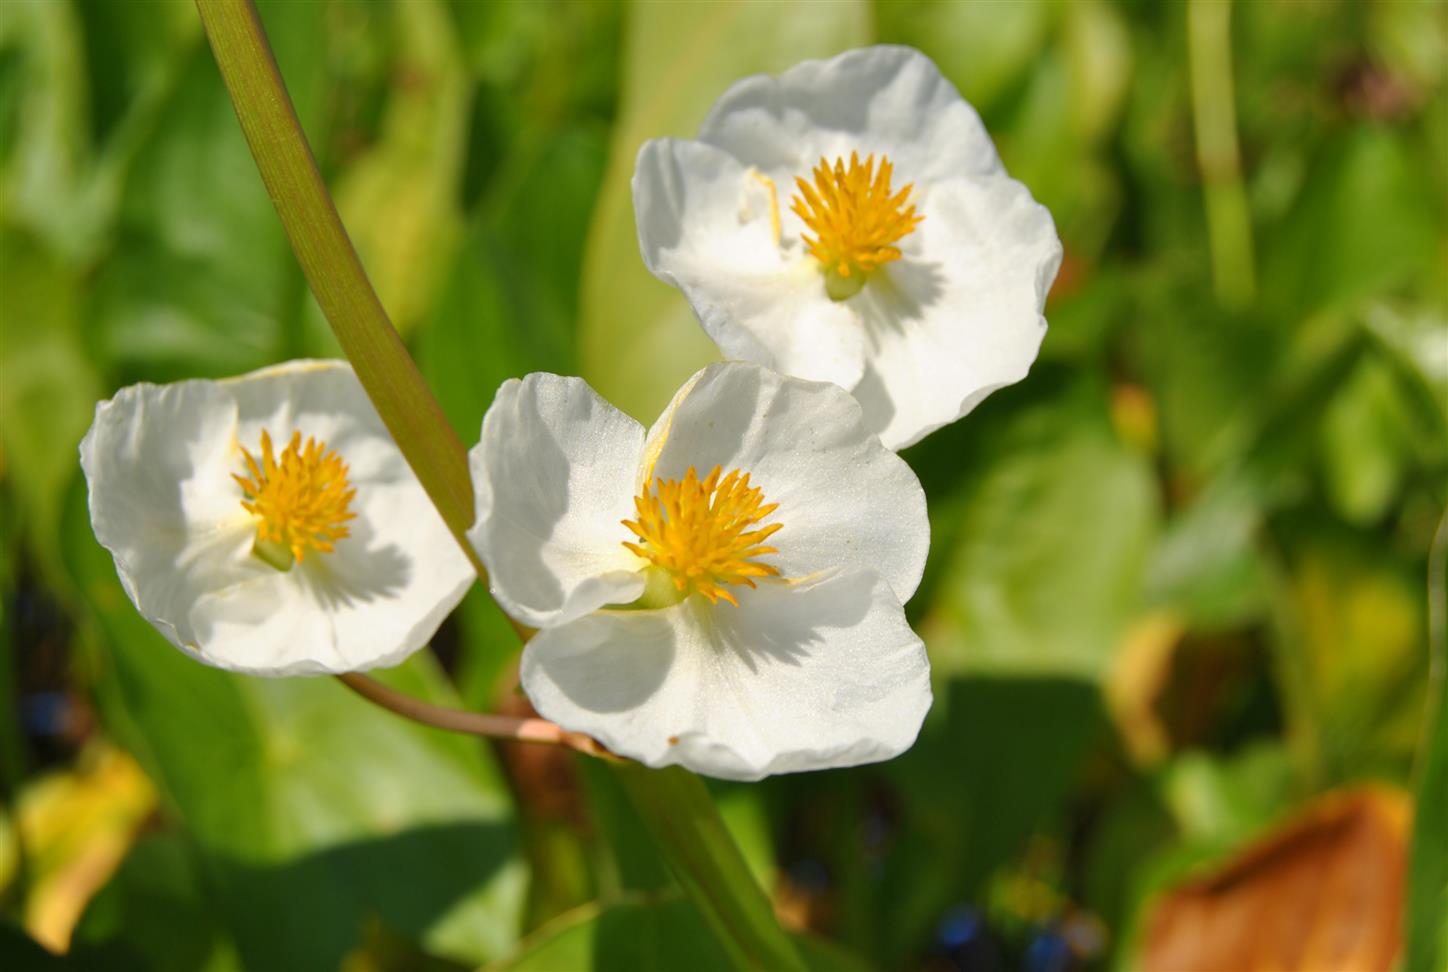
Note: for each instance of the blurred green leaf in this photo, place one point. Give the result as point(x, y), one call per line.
point(1356, 622)
point(1041, 539)
point(312, 809)
point(510, 304)
point(985, 49)
point(1210, 374)
point(1416, 343)
point(48, 387)
point(639, 340)
point(623, 937)
point(81, 86)
point(1412, 38)
point(644, 932)
point(1220, 802)
point(1208, 564)
point(201, 279)
point(1051, 141)
point(974, 793)
point(1098, 48)
point(1134, 825)
point(131, 52)
point(45, 154)
point(1361, 225)
point(153, 915)
point(1365, 444)
point(399, 199)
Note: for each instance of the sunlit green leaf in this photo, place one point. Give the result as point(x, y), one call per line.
point(48, 386)
point(1364, 444)
point(1030, 573)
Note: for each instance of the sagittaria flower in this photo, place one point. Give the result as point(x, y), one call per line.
point(723, 592)
point(268, 523)
point(850, 221)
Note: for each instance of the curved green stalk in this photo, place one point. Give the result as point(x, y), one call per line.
point(330, 263)
point(1214, 116)
point(688, 829)
point(1426, 919)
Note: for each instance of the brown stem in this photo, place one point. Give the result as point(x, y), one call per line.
point(472, 723)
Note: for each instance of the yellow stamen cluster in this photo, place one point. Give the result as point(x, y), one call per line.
point(302, 499)
point(855, 219)
point(702, 532)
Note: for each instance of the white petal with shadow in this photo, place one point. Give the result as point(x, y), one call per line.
point(159, 462)
point(960, 315)
point(704, 226)
point(795, 678)
point(554, 476)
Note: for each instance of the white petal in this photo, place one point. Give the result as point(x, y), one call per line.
point(935, 332)
point(554, 478)
point(844, 499)
point(369, 604)
point(961, 314)
point(799, 678)
point(884, 99)
point(704, 226)
point(159, 462)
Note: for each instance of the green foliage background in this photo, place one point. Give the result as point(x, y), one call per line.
point(1233, 453)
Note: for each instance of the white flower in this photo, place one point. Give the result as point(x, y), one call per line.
point(724, 593)
point(268, 523)
point(850, 221)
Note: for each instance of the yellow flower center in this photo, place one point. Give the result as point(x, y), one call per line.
point(705, 533)
point(302, 499)
point(854, 216)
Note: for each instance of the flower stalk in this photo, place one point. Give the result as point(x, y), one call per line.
point(488, 725)
point(1214, 116)
point(331, 265)
point(708, 864)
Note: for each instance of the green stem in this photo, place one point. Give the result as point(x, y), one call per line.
point(1426, 915)
point(1214, 115)
point(704, 857)
point(330, 263)
point(674, 803)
